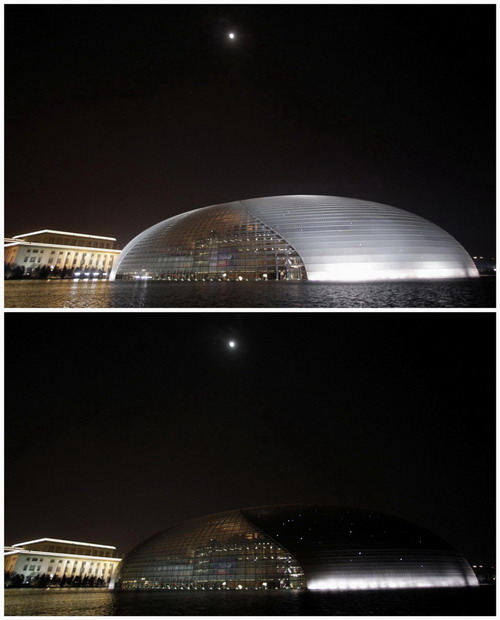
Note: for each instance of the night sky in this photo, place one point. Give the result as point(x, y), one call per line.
point(119, 116)
point(119, 425)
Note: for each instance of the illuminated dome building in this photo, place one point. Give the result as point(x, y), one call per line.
point(294, 547)
point(322, 238)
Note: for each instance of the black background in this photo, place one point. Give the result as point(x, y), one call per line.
point(120, 116)
point(119, 425)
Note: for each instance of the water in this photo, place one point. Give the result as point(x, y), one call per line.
point(75, 602)
point(473, 293)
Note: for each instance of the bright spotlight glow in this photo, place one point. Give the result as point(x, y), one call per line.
point(232, 344)
point(231, 35)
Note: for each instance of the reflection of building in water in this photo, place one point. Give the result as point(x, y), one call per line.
point(281, 547)
point(54, 561)
point(323, 238)
point(52, 252)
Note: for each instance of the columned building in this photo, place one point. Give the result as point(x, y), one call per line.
point(55, 251)
point(60, 560)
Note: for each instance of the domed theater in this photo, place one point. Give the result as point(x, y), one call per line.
point(321, 238)
point(294, 547)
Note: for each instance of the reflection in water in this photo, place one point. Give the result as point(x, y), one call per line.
point(471, 293)
point(82, 294)
point(81, 602)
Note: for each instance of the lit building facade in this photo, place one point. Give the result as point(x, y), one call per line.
point(59, 560)
point(294, 547)
point(55, 251)
point(319, 238)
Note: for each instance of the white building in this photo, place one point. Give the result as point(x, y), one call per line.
point(55, 251)
point(320, 238)
point(56, 558)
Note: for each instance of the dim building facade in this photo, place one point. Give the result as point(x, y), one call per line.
point(294, 547)
point(54, 251)
point(299, 237)
point(60, 560)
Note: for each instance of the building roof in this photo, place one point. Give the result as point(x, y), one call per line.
point(68, 542)
point(62, 232)
point(324, 238)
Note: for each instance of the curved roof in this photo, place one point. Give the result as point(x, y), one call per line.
point(325, 238)
point(324, 547)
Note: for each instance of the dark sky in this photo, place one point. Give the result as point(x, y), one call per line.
point(119, 425)
point(119, 116)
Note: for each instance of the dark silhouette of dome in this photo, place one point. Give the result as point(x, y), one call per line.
point(314, 547)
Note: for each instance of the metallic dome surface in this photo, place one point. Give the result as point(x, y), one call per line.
point(299, 237)
point(294, 547)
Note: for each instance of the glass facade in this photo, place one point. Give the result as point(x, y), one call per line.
point(282, 547)
point(215, 243)
point(218, 552)
point(324, 238)
point(352, 549)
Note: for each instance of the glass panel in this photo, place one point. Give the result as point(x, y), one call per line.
point(215, 243)
point(217, 552)
point(323, 238)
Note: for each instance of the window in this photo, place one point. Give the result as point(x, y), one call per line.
point(28, 250)
point(25, 567)
point(52, 561)
point(49, 569)
point(53, 252)
point(38, 567)
point(51, 260)
point(59, 562)
point(35, 251)
point(32, 567)
point(26, 260)
point(32, 259)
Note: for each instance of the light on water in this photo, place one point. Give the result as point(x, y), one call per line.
point(469, 293)
point(99, 602)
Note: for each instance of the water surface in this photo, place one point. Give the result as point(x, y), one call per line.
point(472, 293)
point(86, 602)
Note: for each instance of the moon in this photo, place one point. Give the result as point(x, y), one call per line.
point(231, 35)
point(232, 344)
